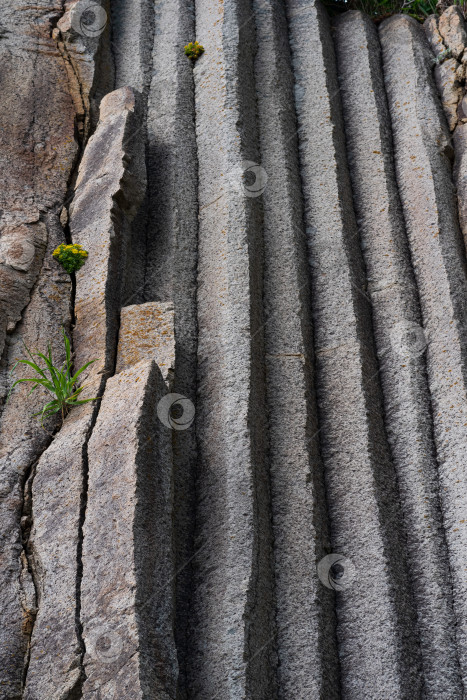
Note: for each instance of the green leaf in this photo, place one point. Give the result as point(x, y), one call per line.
point(62, 384)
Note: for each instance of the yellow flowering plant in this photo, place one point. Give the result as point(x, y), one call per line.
point(194, 50)
point(72, 257)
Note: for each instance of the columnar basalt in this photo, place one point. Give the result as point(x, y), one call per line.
point(400, 342)
point(301, 535)
point(422, 148)
point(233, 624)
point(268, 499)
point(378, 653)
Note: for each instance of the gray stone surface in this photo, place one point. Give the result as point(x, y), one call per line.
point(37, 153)
point(434, 37)
point(171, 259)
point(127, 595)
point(22, 440)
point(448, 78)
point(451, 27)
point(83, 37)
point(421, 146)
point(400, 343)
point(233, 616)
point(308, 666)
point(206, 575)
point(147, 332)
point(378, 648)
point(110, 185)
point(460, 174)
point(37, 148)
point(450, 82)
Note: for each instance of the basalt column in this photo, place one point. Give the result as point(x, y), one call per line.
point(400, 343)
point(377, 645)
point(232, 631)
point(110, 186)
point(171, 261)
point(422, 148)
point(307, 659)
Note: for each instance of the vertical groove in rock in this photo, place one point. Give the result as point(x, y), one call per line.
point(133, 27)
point(84, 43)
point(172, 233)
point(307, 661)
point(400, 343)
point(233, 599)
point(132, 38)
point(377, 646)
point(421, 141)
point(110, 186)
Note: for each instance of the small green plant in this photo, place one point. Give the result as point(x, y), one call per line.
point(61, 384)
point(71, 257)
point(380, 9)
point(194, 50)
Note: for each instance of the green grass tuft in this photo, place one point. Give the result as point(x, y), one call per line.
point(60, 383)
point(380, 9)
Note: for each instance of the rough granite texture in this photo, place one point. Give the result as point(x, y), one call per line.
point(233, 615)
point(400, 343)
point(171, 260)
point(22, 440)
point(308, 664)
point(116, 176)
point(147, 332)
point(421, 147)
point(450, 81)
point(269, 499)
point(37, 147)
point(127, 595)
point(377, 649)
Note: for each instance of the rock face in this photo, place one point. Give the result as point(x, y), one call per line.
point(268, 499)
point(116, 176)
point(438, 253)
point(400, 343)
point(127, 595)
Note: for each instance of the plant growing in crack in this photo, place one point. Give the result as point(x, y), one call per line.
point(60, 383)
point(194, 50)
point(71, 257)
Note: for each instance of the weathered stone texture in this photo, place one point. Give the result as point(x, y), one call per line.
point(400, 343)
point(377, 645)
point(127, 595)
point(110, 185)
point(83, 39)
point(22, 440)
point(233, 632)
point(171, 259)
point(451, 27)
point(307, 661)
point(147, 332)
point(293, 276)
point(421, 145)
point(37, 148)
